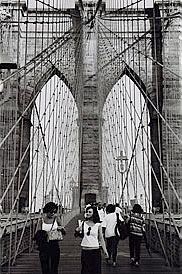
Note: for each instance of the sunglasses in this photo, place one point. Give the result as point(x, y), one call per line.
point(88, 232)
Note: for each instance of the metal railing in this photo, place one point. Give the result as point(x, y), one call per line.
point(165, 237)
point(19, 233)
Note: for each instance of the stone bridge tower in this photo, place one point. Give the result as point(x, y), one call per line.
point(163, 56)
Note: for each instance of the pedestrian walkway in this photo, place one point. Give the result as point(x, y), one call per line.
point(70, 259)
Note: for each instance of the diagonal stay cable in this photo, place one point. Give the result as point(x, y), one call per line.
point(46, 149)
point(39, 56)
point(47, 51)
point(152, 104)
point(46, 4)
point(166, 203)
point(122, 9)
point(162, 166)
point(18, 166)
point(138, 137)
point(139, 51)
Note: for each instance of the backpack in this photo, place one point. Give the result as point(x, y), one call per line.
point(121, 229)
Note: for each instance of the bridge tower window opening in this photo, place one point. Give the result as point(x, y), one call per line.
point(54, 147)
point(90, 198)
point(125, 127)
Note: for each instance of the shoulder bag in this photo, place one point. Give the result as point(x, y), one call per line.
point(56, 234)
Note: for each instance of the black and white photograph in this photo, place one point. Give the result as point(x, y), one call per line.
point(90, 136)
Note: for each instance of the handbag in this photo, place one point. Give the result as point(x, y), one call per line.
point(56, 234)
point(121, 229)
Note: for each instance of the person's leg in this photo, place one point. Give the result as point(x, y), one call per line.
point(115, 242)
point(86, 262)
point(98, 261)
point(91, 261)
point(131, 246)
point(138, 241)
point(54, 257)
point(44, 261)
point(95, 261)
point(109, 246)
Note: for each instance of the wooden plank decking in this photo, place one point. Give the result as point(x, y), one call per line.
point(70, 259)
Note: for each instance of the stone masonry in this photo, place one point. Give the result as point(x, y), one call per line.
point(92, 97)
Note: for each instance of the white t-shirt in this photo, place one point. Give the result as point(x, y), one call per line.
point(118, 210)
point(101, 214)
point(109, 223)
point(91, 240)
point(49, 227)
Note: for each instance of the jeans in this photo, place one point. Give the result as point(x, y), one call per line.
point(112, 246)
point(91, 261)
point(135, 246)
point(49, 258)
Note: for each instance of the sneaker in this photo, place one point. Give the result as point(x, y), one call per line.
point(137, 263)
point(114, 264)
point(132, 262)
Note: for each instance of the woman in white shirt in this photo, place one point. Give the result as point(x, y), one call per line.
point(49, 252)
point(90, 244)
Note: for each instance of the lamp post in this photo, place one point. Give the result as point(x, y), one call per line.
point(122, 167)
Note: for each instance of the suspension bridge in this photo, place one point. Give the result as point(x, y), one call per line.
point(90, 111)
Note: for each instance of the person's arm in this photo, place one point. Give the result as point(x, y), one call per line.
point(60, 227)
point(121, 218)
point(103, 232)
point(58, 219)
point(102, 242)
point(103, 225)
point(39, 224)
point(128, 218)
point(79, 230)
